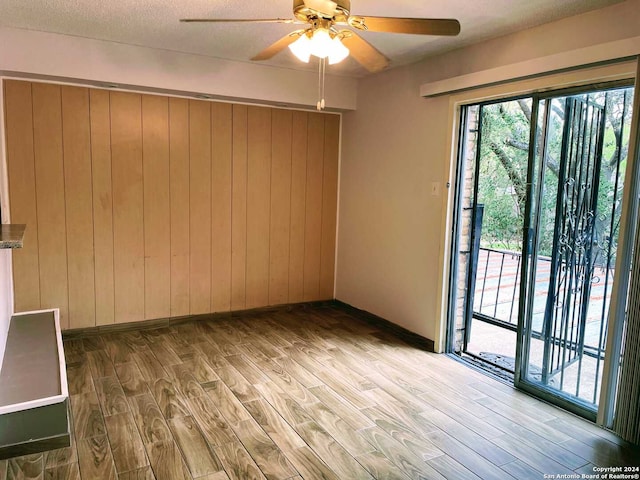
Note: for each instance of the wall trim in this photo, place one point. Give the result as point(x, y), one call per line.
point(611, 52)
point(170, 321)
point(408, 336)
point(412, 338)
point(55, 55)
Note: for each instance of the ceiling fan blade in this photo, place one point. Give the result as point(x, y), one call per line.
point(418, 26)
point(278, 46)
point(363, 52)
point(326, 7)
point(241, 20)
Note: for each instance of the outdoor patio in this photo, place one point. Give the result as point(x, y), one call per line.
point(496, 296)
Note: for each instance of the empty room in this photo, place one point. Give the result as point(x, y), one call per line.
point(319, 239)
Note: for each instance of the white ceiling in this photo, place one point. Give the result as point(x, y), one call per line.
point(154, 23)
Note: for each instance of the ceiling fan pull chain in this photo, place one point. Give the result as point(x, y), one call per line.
point(324, 70)
point(322, 66)
point(319, 104)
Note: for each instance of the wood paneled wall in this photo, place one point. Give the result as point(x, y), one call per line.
point(143, 206)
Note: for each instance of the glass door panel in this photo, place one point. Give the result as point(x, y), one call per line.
point(572, 232)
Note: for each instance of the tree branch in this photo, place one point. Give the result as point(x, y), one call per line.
point(519, 185)
point(525, 109)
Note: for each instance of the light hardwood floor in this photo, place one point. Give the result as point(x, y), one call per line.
point(310, 393)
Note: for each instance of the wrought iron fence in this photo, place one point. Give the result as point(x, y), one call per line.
point(497, 292)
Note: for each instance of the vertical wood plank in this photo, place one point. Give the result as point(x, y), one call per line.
point(100, 125)
point(179, 193)
point(239, 209)
point(251, 195)
point(50, 198)
point(298, 205)
point(200, 206)
point(157, 237)
point(313, 215)
point(128, 234)
point(329, 205)
point(221, 184)
point(258, 210)
point(22, 192)
point(76, 141)
point(281, 132)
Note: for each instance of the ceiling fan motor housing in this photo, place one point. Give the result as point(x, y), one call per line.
point(304, 13)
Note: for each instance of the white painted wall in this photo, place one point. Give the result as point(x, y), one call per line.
point(6, 299)
point(393, 231)
point(6, 275)
point(82, 59)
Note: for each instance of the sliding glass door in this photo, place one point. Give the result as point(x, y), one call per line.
point(572, 226)
point(539, 195)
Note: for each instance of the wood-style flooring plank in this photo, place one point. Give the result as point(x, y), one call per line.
point(349, 413)
point(95, 458)
point(147, 416)
point(331, 452)
point(70, 471)
point(531, 457)
point(471, 439)
point(522, 471)
point(170, 402)
point(200, 369)
point(111, 396)
point(409, 462)
point(286, 406)
point(131, 379)
point(339, 429)
point(229, 406)
point(184, 381)
point(195, 450)
point(60, 456)
point(149, 365)
point(118, 349)
point(144, 473)
point(306, 392)
point(212, 424)
point(448, 467)
point(382, 469)
point(79, 379)
point(215, 356)
point(549, 448)
point(601, 453)
point(166, 461)
point(473, 461)
point(240, 386)
point(165, 354)
point(126, 446)
point(310, 465)
point(269, 458)
point(282, 434)
point(295, 370)
point(87, 416)
point(28, 467)
point(216, 476)
point(100, 364)
point(237, 462)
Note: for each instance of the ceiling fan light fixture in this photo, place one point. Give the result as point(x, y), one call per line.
point(338, 51)
point(320, 44)
point(301, 48)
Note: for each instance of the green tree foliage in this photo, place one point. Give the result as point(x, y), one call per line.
point(504, 149)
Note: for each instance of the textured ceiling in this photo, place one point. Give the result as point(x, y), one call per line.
point(154, 23)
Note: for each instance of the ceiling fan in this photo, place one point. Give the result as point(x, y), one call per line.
point(324, 38)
